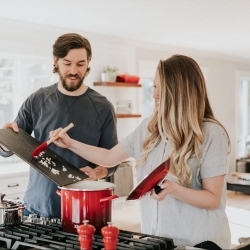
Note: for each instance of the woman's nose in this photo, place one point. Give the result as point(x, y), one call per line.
point(155, 94)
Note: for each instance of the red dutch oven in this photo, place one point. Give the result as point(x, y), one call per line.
point(86, 200)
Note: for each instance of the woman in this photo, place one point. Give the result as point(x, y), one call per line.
point(191, 207)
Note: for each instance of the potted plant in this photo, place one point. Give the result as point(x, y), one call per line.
point(109, 74)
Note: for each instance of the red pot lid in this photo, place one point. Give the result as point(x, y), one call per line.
point(150, 181)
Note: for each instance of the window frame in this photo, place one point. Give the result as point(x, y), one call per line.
point(241, 139)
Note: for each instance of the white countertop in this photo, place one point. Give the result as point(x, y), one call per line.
point(126, 214)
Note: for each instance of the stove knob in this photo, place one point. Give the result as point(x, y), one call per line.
point(110, 234)
point(46, 222)
point(34, 220)
point(58, 221)
point(53, 220)
point(25, 218)
point(86, 238)
point(32, 216)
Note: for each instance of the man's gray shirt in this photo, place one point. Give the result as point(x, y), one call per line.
point(47, 109)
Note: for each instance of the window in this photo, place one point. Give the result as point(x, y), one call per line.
point(19, 77)
point(7, 87)
point(147, 97)
point(147, 73)
point(243, 132)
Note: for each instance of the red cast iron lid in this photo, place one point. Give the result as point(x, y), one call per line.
point(150, 181)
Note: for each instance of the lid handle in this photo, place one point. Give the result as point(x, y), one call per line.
point(2, 196)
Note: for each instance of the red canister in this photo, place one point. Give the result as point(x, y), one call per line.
point(110, 234)
point(86, 238)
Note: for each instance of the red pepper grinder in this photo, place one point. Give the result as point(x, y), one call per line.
point(86, 238)
point(110, 236)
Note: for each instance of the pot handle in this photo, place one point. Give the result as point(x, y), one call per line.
point(109, 198)
point(58, 192)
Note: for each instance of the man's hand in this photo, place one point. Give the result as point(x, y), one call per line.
point(96, 173)
point(14, 127)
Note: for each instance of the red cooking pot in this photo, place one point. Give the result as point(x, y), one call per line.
point(86, 200)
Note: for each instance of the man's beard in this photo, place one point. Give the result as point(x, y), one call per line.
point(71, 88)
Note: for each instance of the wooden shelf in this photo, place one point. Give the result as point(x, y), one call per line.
point(117, 84)
point(128, 115)
point(120, 84)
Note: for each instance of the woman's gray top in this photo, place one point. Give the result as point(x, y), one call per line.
point(186, 224)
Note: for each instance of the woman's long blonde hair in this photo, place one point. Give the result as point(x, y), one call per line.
point(184, 106)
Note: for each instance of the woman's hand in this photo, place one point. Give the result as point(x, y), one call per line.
point(64, 141)
point(168, 187)
point(209, 197)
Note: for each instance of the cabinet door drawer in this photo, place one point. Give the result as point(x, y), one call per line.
point(18, 196)
point(14, 185)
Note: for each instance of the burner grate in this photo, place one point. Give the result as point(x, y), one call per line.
point(36, 236)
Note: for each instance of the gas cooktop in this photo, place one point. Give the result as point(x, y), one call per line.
point(36, 236)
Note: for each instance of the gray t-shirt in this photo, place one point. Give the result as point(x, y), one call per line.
point(47, 109)
point(186, 224)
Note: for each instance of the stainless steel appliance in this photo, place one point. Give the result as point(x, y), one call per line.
point(11, 211)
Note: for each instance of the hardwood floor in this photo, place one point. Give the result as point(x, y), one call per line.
point(238, 212)
point(238, 200)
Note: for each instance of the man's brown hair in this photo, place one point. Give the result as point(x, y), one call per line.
point(70, 41)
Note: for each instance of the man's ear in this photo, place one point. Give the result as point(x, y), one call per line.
point(55, 62)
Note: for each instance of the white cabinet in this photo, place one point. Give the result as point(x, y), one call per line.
point(14, 185)
point(14, 180)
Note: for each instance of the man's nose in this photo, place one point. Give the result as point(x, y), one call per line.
point(73, 70)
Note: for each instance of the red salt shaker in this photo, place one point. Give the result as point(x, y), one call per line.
point(86, 238)
point(110, 234)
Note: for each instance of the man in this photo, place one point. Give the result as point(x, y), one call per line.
point(68, 101)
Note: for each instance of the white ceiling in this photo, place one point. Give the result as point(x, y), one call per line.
point(218, 26)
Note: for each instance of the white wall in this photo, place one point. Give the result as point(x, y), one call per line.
point(36, 40)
